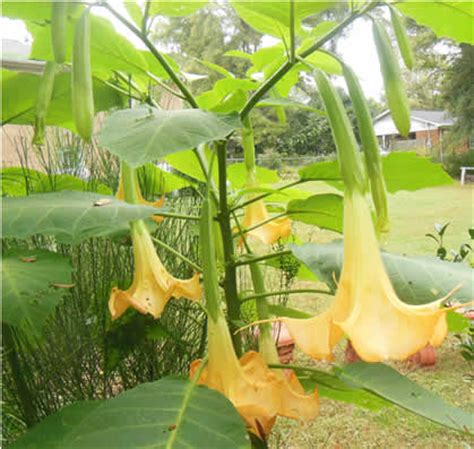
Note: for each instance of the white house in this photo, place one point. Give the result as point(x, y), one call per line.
point(427, 128)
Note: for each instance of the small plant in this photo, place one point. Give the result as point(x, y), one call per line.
point(442, 252)
point(467, 344)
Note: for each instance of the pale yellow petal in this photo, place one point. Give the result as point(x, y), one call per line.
point(152, 285)
point(270, 232)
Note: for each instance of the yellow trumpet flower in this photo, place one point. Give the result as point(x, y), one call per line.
point(258, 393)
point(120, 195)
point(366, 308)
point(270, 232)
point(152, 285)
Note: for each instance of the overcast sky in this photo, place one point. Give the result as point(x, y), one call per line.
point(357, 49)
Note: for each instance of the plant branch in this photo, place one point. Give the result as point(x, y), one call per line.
point(258, 225)
point(177, 254)
point(249, 260)
point(284, 292)
point(158, 56)
point(286, 67)
point(264, 195)
point(230, 280)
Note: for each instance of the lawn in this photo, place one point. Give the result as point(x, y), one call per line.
point(342, 426)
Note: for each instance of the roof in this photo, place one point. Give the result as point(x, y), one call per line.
point(436, 118)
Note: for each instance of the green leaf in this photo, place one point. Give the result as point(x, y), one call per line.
point(279, 310)
point(287, 103)
point(273, 18)
point(236, 175)
point(154, 181)
point(187, 163)
point(227, 95)
point(146, 134)
point(324, 211)
point(407, 171)
point(392, 386)
point(417, 280)
point(19, 99)
point(175, 9)
point(110, 51)
point(70, 216)
point(37, 10)
point(402, 171)
point(332, 387)
point(447, 19)
point(18, 181)
point(29, 296)
point(168, 414)
point(457, 322)
point(134, 11)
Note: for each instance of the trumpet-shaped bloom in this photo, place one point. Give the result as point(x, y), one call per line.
point(152, 285)
point(269, 232)
point(366, 308)
point(120, 195)
point(258, 393)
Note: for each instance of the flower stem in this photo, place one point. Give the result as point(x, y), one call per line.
point(230, 280)
point(177, 254)
point(285, 292)
point(248, 259)
point(257, 225)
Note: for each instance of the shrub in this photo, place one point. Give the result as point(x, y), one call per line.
point(454, 162)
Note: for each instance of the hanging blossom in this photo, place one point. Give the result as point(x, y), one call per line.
point(258, 393)
point(366, 308)
point(270, 232)
point(152, 285)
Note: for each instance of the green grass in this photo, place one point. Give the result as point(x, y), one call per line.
point(343, 426)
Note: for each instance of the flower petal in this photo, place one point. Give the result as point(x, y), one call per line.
point(270, 232)
point(152, 285)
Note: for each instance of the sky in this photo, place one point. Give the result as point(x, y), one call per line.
point(357, 49)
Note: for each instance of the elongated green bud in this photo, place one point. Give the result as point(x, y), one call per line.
point(45, 92)
point(392, 79)
point(352, 169)
point(82, 91)
point(370, 146)
point(249, 151)
point(402, 39)
point(59, 11)
point(208, 260)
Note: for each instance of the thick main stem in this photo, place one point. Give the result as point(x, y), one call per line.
point(230, 280)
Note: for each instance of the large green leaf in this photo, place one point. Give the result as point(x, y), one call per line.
point(324, 211)
point(417, 280)
point(237, 174)
point(28, 292)
point(175, 9)
point(331, 386)
point(110, 50)
point(273, 18)
point(227, 95)
point(392, 386)
point(167, 414)
point(447, 19)
point(19, 99)
point(402, 171)
point(37, 11)
point(146, 134)
point(18, 181)
point(70, 216)
point(155, 181)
